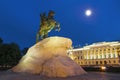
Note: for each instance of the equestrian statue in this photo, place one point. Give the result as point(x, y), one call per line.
point(47, 23)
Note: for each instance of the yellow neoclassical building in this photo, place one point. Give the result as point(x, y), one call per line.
point(97, 54)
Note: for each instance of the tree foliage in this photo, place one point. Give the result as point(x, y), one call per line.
point(1, 41)
point(24, 51)
point(9, 54)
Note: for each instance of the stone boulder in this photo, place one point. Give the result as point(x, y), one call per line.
point(49, 58)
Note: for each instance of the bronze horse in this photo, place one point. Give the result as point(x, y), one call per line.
point(46, 25)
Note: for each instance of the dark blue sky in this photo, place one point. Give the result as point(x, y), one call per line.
point(19, 20)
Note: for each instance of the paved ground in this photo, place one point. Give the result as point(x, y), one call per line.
point(7, 75)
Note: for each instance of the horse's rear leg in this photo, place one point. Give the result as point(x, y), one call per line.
point(45, 36)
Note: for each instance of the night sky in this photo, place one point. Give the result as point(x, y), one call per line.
point(19, 20)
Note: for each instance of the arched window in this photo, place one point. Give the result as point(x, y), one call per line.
point(78, 57)
point(100, 56)
point(114, 61)
point(81, 62)
point(109, 61)
point(109, 56)
point(105, 56)
point(100, 62)
point(81, 57)
point(96, 62)
point(89, 62)
point(114, 55)
point(96, 56)
point(105, 62)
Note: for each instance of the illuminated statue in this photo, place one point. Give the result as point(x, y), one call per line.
point(46, 25)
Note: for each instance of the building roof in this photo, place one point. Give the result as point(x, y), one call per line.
point(99, 44)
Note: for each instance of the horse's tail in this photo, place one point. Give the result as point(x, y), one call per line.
point(37, 37)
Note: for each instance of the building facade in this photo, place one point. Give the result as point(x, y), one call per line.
point(97, 54)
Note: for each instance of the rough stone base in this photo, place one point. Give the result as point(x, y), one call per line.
point(49, 58)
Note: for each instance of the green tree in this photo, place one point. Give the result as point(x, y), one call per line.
point(9, 54)
point(1, 41)
point(15, 52)
point(24, 51)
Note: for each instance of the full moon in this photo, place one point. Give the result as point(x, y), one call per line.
point(88, 12)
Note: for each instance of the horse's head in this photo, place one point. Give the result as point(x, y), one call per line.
point(54, 25)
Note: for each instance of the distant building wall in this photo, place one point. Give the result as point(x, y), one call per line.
point(97, 54)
